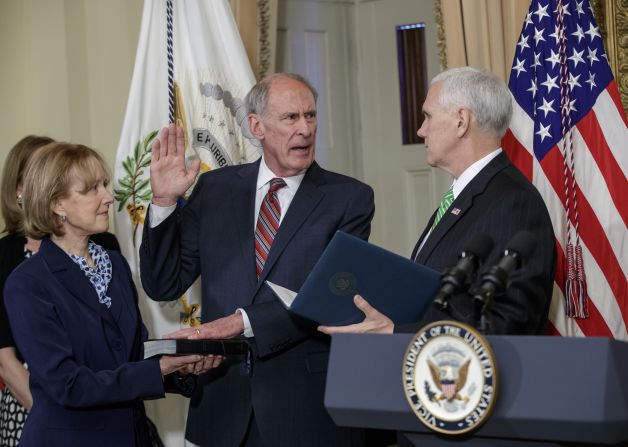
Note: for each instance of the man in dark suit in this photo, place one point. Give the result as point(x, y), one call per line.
point(243, 225)
point(467, 111)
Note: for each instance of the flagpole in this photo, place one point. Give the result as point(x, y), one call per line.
point(169, 52)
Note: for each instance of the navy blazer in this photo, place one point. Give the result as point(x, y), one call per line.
point(500, 202)
point(86, 384)
point(213, 235)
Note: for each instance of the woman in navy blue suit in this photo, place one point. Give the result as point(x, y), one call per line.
point(74, 313)
point(15, 247)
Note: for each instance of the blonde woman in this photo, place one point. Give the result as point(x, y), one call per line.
point(15, 247)
point(74, 313)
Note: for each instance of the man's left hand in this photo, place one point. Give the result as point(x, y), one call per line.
point(374, 321)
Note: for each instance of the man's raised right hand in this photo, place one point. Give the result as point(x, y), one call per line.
point(170, 178)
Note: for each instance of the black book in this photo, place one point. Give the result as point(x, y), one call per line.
point(226, 347)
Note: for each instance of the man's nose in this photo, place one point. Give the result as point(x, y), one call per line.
point(305, 128)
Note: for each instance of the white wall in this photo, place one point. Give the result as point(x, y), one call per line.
point(66, 70)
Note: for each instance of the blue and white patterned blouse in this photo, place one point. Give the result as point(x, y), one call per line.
point(101, 275)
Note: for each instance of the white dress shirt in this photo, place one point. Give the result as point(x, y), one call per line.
point(158, 214)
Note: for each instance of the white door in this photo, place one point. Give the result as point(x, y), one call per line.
point(314, 39)
point(407, 190)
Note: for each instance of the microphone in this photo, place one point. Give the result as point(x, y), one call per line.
point(458, 277)
point(495, 279)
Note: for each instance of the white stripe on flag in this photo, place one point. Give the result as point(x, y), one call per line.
point(554, 205)
point(602, 296)
point(594, 188)
point(616, 136)
point(522, 127)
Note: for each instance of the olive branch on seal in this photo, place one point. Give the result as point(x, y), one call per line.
point(133, 188)
point(430, 394)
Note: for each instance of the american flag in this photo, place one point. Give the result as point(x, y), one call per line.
point(569, 136)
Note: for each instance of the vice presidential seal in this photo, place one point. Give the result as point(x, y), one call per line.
point(450, 377)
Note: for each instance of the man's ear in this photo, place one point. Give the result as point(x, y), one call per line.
point(256, 125)
point(464, 121)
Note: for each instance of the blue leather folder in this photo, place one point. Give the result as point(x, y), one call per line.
point(394, 285)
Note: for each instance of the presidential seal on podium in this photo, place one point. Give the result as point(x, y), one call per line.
point(450, 377)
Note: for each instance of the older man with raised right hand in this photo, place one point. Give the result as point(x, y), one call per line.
point(268, 220)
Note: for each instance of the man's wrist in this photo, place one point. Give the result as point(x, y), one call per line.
point(163, 202)
point(247, 330)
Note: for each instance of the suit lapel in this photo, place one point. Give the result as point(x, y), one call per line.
point(117, 306)
point(125, 311)
point(73, 279)
point(461, 205)
point(423, 235)
point(303, 203)
point(244, 213)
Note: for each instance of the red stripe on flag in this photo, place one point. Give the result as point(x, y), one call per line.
point(551, 329)
point(613, 175)
point(595, 325)
point(517, 153)
point(591, 232)
point(612, 90)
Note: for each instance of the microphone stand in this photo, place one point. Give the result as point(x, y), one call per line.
point(486, 302)
point(493, 282)
point(495, 279)
point(447, 308)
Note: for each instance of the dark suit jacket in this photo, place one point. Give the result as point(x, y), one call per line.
point(12, 255)
point(500, 202)
point(86, 384)
point(213, 235)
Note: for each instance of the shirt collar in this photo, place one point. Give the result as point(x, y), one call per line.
point(468, 174)
point(265, 175)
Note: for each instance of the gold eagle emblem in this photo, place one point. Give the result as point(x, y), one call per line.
point(450, 380)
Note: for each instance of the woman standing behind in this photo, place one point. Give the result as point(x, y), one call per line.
point(74, 313)
point(15, 400)
point(15, 247)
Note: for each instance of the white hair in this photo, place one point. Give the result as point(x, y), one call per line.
point(256, 99)
point(483, 93)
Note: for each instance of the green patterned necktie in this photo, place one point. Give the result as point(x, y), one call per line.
point(445, 203)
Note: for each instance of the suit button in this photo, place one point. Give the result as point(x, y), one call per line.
point(117, 345)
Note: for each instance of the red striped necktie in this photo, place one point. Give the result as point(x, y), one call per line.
point(267, 224)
